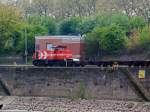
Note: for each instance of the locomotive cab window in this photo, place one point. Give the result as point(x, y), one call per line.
point(49, 46)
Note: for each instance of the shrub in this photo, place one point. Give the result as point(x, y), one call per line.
point(144, 39)
point(139, 41)
point(137, 22)
point(132, 42)
point(106, 39)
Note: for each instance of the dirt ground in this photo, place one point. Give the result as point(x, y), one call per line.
point(45, 104)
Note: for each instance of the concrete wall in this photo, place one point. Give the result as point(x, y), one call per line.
point(71, 82)
point(11, 60)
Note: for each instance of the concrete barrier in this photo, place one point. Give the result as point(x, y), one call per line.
point(11, 60)
point(88, 82)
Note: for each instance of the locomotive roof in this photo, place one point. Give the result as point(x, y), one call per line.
point(59, 37)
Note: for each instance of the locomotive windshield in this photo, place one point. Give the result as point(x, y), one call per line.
point(59, 47)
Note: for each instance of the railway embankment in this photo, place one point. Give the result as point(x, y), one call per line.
point(86, 82)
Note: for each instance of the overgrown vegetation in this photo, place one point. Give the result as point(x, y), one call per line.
point(112, 32)
point(81, 92)
point(108, 39)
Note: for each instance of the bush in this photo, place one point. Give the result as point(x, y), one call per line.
point(139, 41)
point(106, 39)
point(144, 39)
point(132, 42)
point(137, 22)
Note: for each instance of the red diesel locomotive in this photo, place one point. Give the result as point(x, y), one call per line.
point(57, 56)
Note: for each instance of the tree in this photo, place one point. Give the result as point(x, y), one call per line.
point(50, 24)
point(105, 39)
point(10, 18)
point(47, 22)
point(134, 7)
point(43, 7)
point(32, 31)
point(87, 26)
point(25, 6)
point(70, 27)
point(105, 20)
point(112, 39)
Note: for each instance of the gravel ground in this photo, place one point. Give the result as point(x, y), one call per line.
point(36, 104)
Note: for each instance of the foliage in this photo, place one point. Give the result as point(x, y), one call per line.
point(121, 20)
point(140, 40)
point(70, 26)
point(133, 43)
point(47, 22)
point(10, 18)
point(81, 91)
point(108, 39)
point(31, 32)
point(88, 24)
point(145, 38)
point(112, 39)
point(117, 19)
point(137, 22)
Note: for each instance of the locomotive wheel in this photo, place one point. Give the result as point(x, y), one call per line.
point(39, 63)
point(35, 63)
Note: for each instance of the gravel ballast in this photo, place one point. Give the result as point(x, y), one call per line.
point(45, 104)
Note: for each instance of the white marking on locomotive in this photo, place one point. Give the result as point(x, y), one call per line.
point(45, 55)
point(41, 55)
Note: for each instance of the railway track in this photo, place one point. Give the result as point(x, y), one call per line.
point(87, 66)
point(16, 66)
point(32, 66)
